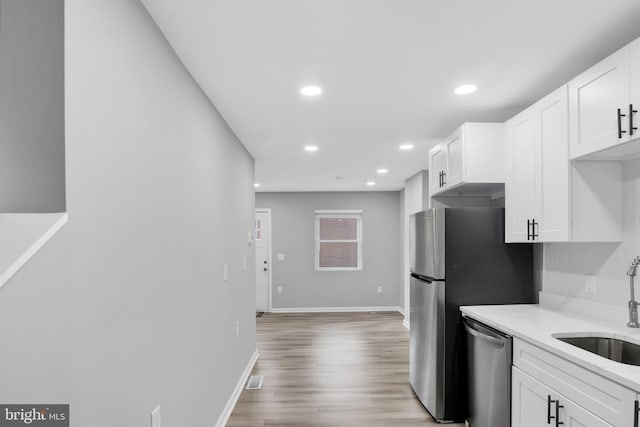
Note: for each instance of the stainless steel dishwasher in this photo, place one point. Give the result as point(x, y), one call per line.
point(489, 375)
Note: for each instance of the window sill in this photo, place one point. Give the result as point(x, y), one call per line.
point(23, 234)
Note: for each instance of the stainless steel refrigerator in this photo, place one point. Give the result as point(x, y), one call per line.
point(458, 257)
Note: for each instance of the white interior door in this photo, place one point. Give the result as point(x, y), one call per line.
point(263, 259)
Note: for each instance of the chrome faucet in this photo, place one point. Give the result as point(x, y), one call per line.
point(633, 304)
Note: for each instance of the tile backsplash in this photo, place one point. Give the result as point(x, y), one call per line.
point(569, 267)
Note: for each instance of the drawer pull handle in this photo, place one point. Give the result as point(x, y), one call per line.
point(636, 409)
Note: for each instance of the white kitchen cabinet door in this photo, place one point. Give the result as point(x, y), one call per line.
point(521, 198)
point(537, 184)
point(531, 406)
point(437, 167)
point(634, 53)
point(454, 146)
point(552, 167)
point(594, 99)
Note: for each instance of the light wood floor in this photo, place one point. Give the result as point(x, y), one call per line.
point(331, 369)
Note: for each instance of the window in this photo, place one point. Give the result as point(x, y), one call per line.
point(338, 240)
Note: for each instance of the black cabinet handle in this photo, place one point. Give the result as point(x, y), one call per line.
point(440, 179)
point(444, 181)
point(528, 229)
point(534, 226)
point(620, 116)
point(557, 412)
point(636, 408)
point(632, 128)
point(558, 406)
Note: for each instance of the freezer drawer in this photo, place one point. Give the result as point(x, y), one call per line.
point(489, 356)
point(426, 357)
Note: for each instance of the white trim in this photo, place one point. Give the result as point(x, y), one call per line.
point(354, 214)
point(270, 258)
point(340, 212)
point(401, 310)
point(233, 399)
point(37, 245)
point(405, 323)
point(332, 309)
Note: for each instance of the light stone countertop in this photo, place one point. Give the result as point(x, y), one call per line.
point(535, 324)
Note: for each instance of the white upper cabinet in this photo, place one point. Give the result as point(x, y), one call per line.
point(521, 175)
point(473, 154)
point(547, 199)
point(603, 104)
point(537, 181)
point(634, 74)
point(437, 162)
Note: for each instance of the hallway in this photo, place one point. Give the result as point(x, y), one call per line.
point(331, 369)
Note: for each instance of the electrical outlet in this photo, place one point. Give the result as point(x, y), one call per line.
point(226, 273)
point(279, 289)
point(237, 327)
point(591, 288)
point(379, 289)
point(280, 256)
point(156, 420)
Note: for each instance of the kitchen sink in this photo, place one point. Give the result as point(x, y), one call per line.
point(611, 348)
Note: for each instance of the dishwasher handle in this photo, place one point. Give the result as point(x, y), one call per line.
point(482, 335)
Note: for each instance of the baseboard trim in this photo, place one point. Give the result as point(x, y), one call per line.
point(333, 309)
point(233, 399)
point(405, 323)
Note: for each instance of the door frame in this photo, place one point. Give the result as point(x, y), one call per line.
point(269, 257)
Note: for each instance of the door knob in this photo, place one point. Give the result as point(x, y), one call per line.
point(265, 269)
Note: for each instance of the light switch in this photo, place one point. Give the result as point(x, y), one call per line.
point(280, 256)
point(244, 264)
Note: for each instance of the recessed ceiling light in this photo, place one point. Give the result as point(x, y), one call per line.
point(465, 89)
point(371, 183)
point(311, 148)
point(406, 147)
point(311, 90)
point(257, 184)
point(382, 171)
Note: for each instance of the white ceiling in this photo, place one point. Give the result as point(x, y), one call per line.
point(388, 69)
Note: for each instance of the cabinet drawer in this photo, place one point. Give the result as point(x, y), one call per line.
point(605, 398)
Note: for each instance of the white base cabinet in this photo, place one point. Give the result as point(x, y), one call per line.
point(541, 381)
point(534, 404)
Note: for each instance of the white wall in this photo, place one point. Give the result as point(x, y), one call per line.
point(32, 106)
point(125, 307)
point(293, 233)
point(567, 266)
